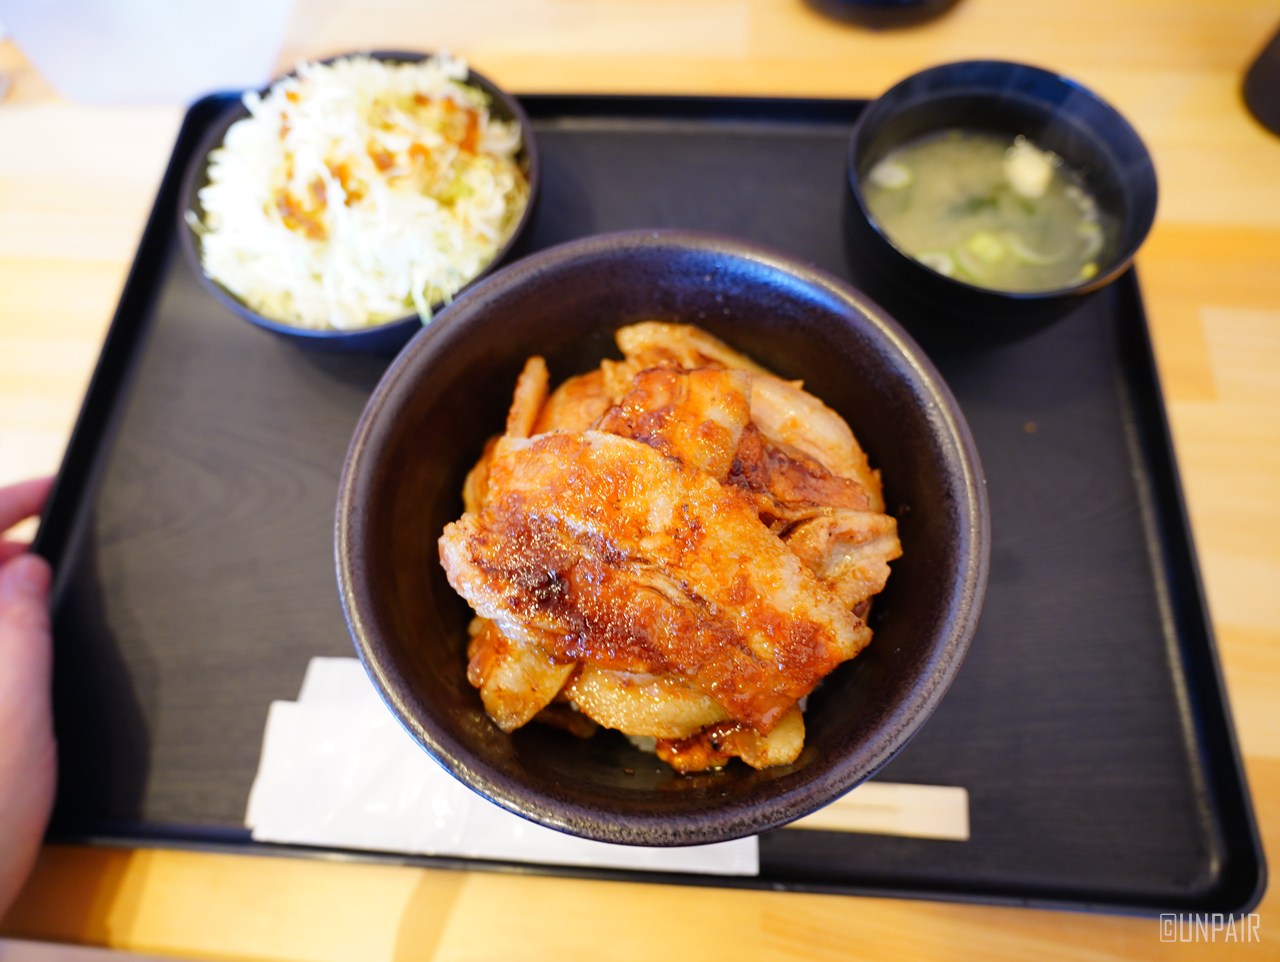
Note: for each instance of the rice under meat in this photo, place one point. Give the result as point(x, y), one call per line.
point(360, 191)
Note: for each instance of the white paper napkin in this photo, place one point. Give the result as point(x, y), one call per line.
point(148, 51)
point(338, 770)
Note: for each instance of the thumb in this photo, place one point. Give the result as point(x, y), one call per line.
point(24, 593)
point(27, 750)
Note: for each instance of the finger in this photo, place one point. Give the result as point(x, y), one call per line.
point(24, 597)
point(22, 500)
point(28, 763)
point(11, 549)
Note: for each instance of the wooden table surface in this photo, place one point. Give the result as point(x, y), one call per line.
point(76, 185)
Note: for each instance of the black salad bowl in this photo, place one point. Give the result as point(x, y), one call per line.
point(389, 336)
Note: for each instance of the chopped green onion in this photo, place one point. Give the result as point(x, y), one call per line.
point(1028, 254)
point(1092, 234)
point(986, 246)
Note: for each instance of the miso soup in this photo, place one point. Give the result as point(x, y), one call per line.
point(996, 212)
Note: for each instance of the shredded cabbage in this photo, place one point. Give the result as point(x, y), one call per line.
point(358, 192)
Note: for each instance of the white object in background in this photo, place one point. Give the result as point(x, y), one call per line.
point(148, 51)
point(4, 77)
point(20, 950)
point(338, 770)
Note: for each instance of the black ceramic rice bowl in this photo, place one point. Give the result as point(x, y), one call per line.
point(448, 391)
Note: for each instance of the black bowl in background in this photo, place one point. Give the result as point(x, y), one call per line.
point(448, 391)
point(390, 336)
point(1005, 98)
point(883, 14)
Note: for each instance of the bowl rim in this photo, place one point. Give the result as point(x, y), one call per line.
point(734, 819)
point(212, 138)
point(1120, 261)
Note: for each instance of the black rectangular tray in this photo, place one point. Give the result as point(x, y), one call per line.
point(191, 528)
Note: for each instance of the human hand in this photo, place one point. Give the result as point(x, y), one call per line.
point(28, 764)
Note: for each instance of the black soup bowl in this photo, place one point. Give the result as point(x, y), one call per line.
point(448, 391)
point(1008, 99)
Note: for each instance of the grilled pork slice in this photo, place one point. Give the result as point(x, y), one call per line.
point(603, 550)
point(697, 416)
point(786, 414)
point(716, 744)
point(658, 706)
point(849, 551)
point(515, 676)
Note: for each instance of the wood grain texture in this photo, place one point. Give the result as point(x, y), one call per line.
point(76, 184)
